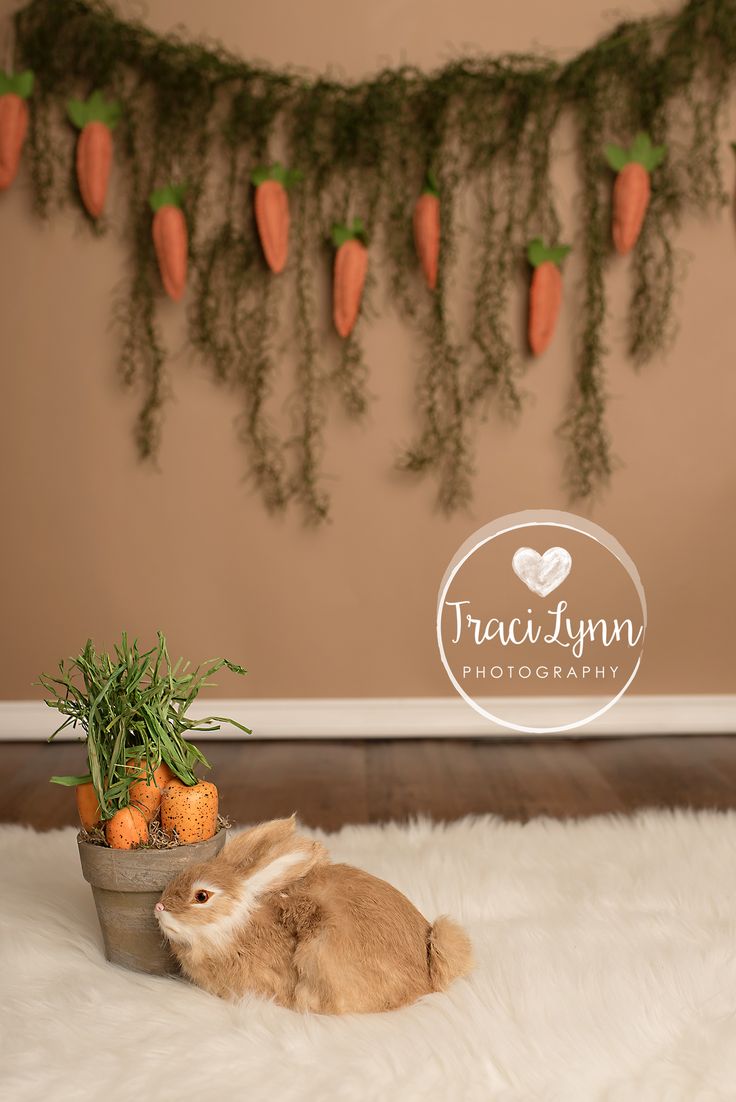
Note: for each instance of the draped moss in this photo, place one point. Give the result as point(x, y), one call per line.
point(196, 113)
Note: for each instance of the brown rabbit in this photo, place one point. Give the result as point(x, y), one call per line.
point(271, 915)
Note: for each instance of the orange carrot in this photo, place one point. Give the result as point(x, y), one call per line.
point(351, 266)
point(96, 119)
point(127, 828)
point(632, 188)
point(94, 157)
point(545, 292)
point(427, 229)
point(272, 212)
point(170, 238)
point(191, 811)
point(15, 88)
point(145, 794)
point(88, 806)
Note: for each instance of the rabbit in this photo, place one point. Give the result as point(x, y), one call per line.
point(272, 915)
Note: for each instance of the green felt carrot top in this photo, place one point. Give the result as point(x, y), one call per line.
point(169, 196)
point(356, 231)
point(285, 176)
point(537, 252)
point(20, 84)
point(641, 152)
point(431, 186)
point(95, 109)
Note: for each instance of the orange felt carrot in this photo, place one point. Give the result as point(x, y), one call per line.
point(632, 188)
point(170, 238)
point(96, 119)
point(427, 229)
point(146, 794)
point(88, 806)
point(272, 211)
point(127, 828)
point(191, 811)
point(15, 88)
point(348, 280)
point(545, 292)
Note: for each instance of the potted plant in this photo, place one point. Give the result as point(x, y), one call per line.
point(145, 814)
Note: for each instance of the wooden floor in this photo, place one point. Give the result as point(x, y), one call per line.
point(330, 783)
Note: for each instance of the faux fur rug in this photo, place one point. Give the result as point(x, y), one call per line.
point(606, 969)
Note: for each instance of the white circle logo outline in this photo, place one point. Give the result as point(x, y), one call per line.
point(551, 520)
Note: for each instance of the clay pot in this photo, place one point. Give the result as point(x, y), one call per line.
point(126, 884)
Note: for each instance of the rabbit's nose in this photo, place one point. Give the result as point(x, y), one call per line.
point(159, 907)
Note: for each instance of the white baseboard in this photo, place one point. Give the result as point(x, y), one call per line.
point(418, 717)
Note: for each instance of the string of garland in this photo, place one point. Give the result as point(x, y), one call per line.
point(483, 126)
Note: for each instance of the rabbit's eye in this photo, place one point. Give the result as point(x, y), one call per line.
point(201, 896)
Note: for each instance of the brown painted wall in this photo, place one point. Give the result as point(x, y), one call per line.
point(93, 542)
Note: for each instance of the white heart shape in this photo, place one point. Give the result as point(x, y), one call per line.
point(542, 573)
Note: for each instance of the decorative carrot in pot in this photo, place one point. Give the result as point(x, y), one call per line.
point(632, 188)
point(545, 293)
point(96, 119)
point(351, 266)
point(272, 211)
point(170, 238)
point(427, 229)
point(127, 828)
point(146, 794)
point(15, 88)
point(191, 811)
point(88, 806)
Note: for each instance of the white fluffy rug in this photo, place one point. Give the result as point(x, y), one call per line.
point(606, 970)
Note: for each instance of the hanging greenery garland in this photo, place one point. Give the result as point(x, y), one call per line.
point(377, 169)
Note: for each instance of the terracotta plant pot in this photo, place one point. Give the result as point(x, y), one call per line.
point(126, 884)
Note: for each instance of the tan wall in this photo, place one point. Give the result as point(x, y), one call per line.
point(93, 542)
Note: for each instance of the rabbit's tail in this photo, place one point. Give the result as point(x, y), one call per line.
point(449, 953)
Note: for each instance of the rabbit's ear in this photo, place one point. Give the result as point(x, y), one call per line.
point(252, 844)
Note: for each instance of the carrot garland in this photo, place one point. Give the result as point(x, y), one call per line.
point(170, 238)
point(15, 88)
point(426, 223)
point(351, 266)
point(271, 203)
point(96, 118)
point(669, 73)
point(632, 188)
point(545, 292)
